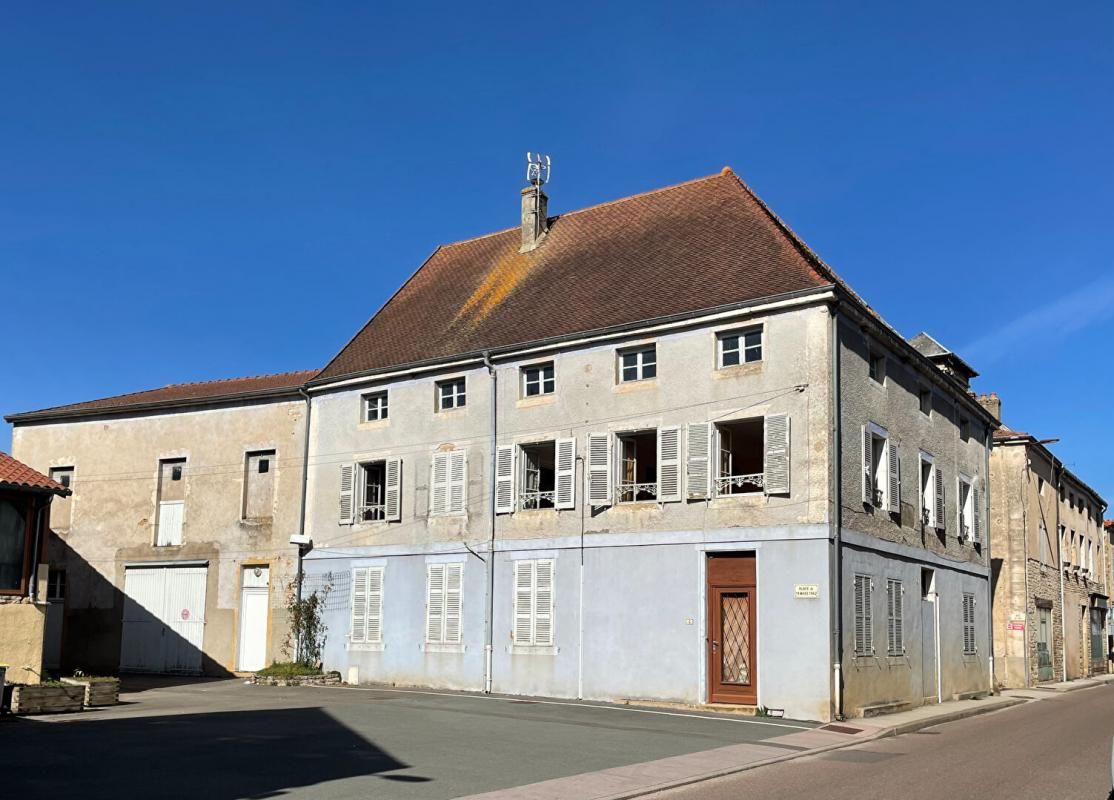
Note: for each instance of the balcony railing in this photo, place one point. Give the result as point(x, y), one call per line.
point(532, 500)
point(740, 484)
point(637, 492)
point(372, 513)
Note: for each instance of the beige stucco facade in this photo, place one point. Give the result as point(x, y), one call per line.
point(22, 623)
point(114, 511)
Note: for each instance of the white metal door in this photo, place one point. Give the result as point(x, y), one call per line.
point(253, 618)
point(164, 619)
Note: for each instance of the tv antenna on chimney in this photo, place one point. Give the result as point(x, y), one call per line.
point(537, 169)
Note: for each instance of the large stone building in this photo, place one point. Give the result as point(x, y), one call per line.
point(172, 553)
point(651, 449)
point(1051, 565)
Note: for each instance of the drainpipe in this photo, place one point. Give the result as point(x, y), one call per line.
point(580, 611)
point(302, 509)
point(35, 548)
point(837, 517)
point(989, 441)
point(489, 633)
point(1058, 472)
point(1025, 481)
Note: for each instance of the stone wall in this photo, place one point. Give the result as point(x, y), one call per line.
point(21, 640)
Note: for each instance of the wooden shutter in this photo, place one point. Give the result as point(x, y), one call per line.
point(375, 604)
point(776, 479)
point(864, 622)
point(868, 467)
point(894, 500)
point(439, 484)
point(895, 627)
point(543, 602)
point(523, 602)
point(347, 483)
point(600, 473)
point(358, 628)
point(435, 603)
point(669, 464)
point(504, 479)
point(565, 478)
point(959, 507)
point(941, 522)
point(393, 491)
point(698, 478)
point(976, 513)
point(458, 481)
point(454, 585)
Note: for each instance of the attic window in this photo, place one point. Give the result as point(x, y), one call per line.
point(926, 402)
point(877, 366)
point(638, 364)
point(450, 394)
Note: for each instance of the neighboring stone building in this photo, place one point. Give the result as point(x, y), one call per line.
point(1051, 565)
point(651, 449)
point(172, 553)
point(25, 497)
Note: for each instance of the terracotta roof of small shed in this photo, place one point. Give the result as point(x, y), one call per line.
point(698, 245)
point(17, 475)
point(178, 393)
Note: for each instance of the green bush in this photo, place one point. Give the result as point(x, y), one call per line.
point(287, 669)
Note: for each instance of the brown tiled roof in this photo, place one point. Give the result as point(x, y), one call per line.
point(698, 245)
point(17, 475)
point(177, 393)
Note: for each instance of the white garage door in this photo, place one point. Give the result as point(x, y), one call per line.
point(164, 618)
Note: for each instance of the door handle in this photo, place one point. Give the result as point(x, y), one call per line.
point(715, 644)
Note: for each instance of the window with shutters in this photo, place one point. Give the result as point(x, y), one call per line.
point(451, 394)
point(638, 364)
point(367, 606)
point(881, 470)
point(966, 505)
point(61, 508)
point(259, 486)
point(537, 379)
point(739, 347)
point(375, 406)
point(932, 493)
point(638, 467)
point(864, 615)
point(373, 492)
point(533, 603)
point(537, 476)
point(741, 459)
point(448, 491)
point(895, 621)
point(970, 643)
point(444, 610)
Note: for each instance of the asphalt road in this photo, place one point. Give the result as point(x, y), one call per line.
point(222, 740)
point(1054, 749)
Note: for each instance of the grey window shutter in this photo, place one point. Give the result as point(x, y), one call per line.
point(543, 602)
point(458, 481)
point(777, 454)
point(940, 518)
point(565, 477)
point(698, 480)
point(894, 499)
point(976, 514)
point(347, 484)
point(393, 493)
point(959, 520)
point(600, 472)
point(669, 464)
point(439, 484)
point(504, 479)
point(868, 467)
point(899, 618)
point(454, 583)
point(435, 603)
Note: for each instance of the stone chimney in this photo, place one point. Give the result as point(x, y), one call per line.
point(991, 403)
point(535, 208)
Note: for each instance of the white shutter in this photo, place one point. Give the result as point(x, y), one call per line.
point(941, 522)
point(565, 478)
point(894, 500)
point(347, 483)
point(669, 464)
point(439, 484)
point(543, 601)
point(358, 632)
point(959, 520)
point(393, 493)
point(504, 479)
point(777, 454)
point(458, 482)
point(868, 467)
point(698, 480)
point(864, 617)
point(976, 514)
point(435, 603)
point(523, 602)
point(375, 604)
point(454, 585)
point(600, 473)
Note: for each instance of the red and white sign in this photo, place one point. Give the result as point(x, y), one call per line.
point(185, 613)
point(1015, 626)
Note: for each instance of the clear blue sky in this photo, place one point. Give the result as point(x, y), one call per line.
point(195, 191)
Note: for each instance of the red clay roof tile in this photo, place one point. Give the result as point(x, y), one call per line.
point(17, 475)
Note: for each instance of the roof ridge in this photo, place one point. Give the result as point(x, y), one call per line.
point(227, 380)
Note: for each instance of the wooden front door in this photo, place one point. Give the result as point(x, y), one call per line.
point(732, 632)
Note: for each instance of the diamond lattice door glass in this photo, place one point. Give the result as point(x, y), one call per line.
point(735, 645)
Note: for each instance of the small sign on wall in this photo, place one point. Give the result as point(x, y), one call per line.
point(1015, 626)
point(806, 591)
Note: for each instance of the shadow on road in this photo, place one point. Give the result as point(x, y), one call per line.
point(219, 756)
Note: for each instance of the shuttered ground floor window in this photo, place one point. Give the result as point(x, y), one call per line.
point(970, 644)
point(367, 606)
point(895, 623)
point(864, 616)
point(533, 602)
point(443, 603)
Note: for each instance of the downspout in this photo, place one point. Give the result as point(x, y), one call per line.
point(837, 517)
point(489, 633)
point(1025, 480)
point(302, 509)
point(580, 611)
point(34, 578)
point(1057, 470)
point(989, 443)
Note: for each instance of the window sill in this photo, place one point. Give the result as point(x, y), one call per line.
point(536, 400)
point(897, 661)
point(532, 650)
point(736, 370)
point(440, 647)
point(451, 412)
point(366, 647)
point(374, 424)
point(165, 546)
point(635, 386)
